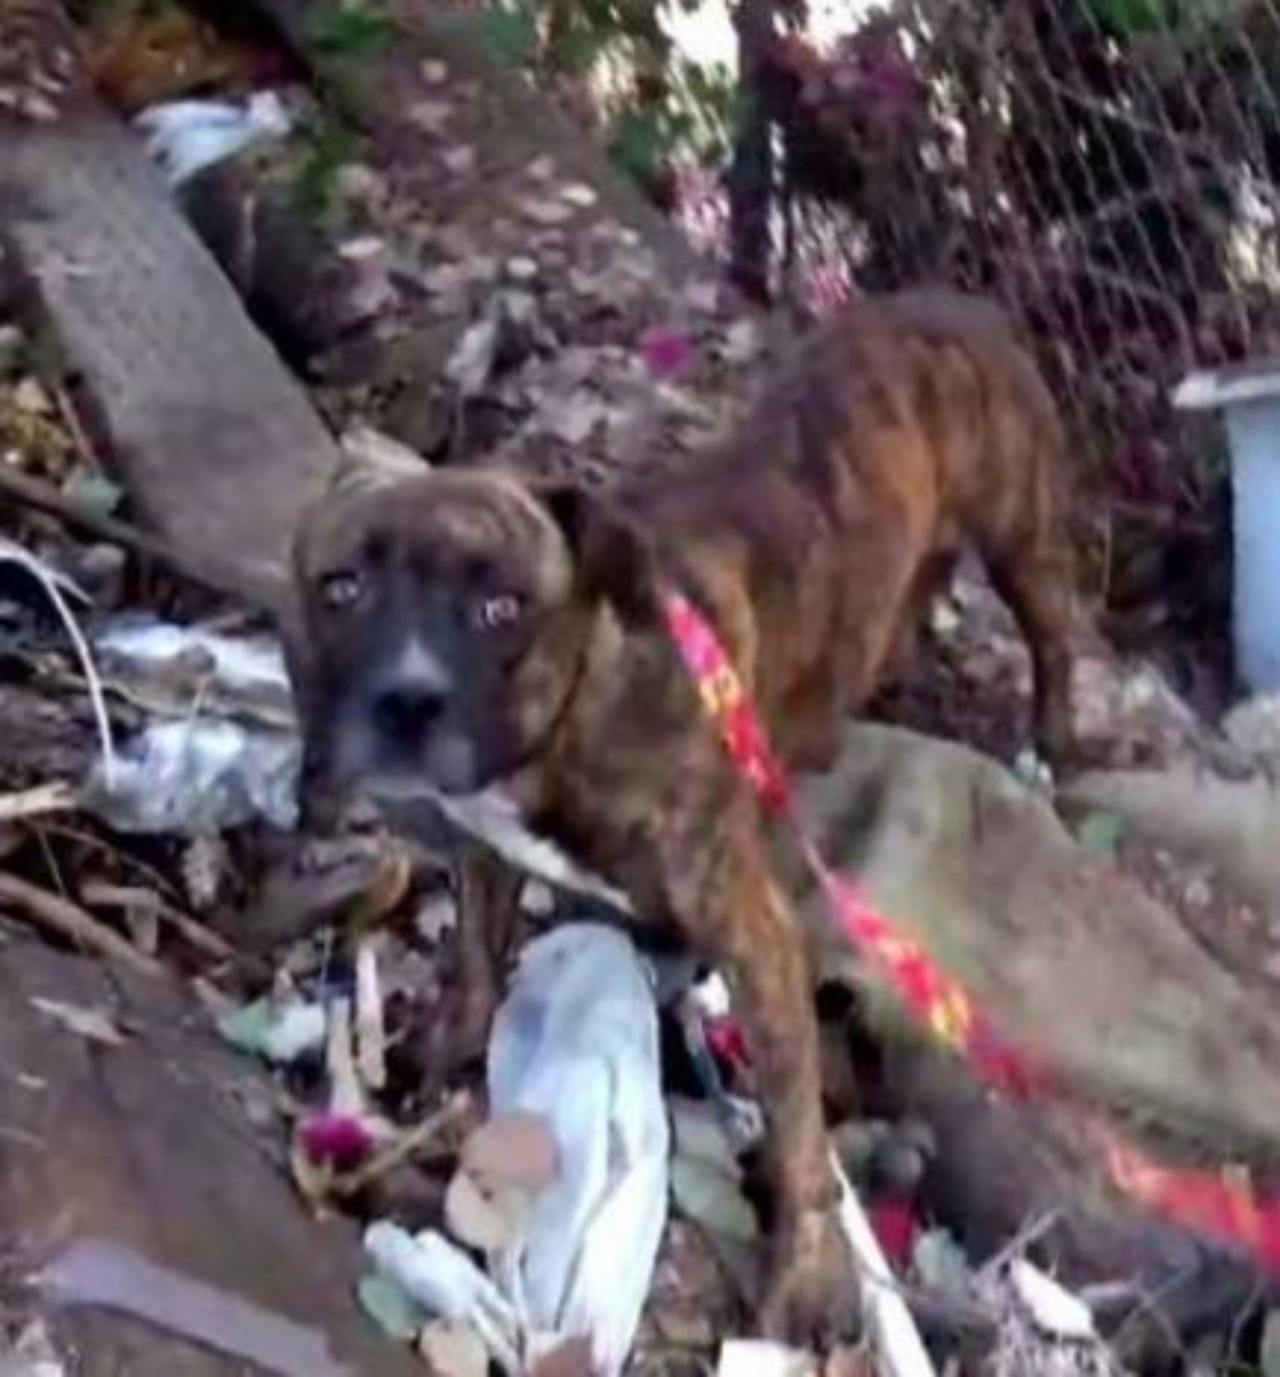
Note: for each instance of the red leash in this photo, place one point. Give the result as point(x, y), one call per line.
point(1213, 1202)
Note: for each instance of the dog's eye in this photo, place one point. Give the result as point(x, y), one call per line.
point(499, 610)
point(340, 589)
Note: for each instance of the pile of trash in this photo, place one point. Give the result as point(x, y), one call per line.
point(612, 1104)
point(585, 1201)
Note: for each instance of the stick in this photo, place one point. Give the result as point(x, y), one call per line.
point(404, 1147)
point(37, 802)
point(44, 497)
point(72, 922)
point(135, 896)
point(897, 1340)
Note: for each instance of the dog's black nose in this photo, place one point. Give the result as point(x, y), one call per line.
point(404, 711)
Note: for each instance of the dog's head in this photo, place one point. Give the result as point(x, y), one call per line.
point(441, 623)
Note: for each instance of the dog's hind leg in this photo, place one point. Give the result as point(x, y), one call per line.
point(1034, 574)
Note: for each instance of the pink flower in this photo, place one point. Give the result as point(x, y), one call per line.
point(896, 1226)
point(666, 352)
point(341, 1140)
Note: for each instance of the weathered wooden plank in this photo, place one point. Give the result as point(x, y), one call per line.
point(216, 442)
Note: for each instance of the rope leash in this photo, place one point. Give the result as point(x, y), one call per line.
point(1217, 1203)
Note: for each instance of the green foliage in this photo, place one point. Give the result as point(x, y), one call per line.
point(329, 146)
point(352, 32)
point(510, 27)
point(660, 106)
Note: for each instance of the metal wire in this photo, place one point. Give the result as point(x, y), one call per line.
point(1110, 169)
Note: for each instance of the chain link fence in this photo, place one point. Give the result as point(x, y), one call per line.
point(1108, 168)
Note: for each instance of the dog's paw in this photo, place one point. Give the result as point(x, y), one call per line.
point(813, 1298)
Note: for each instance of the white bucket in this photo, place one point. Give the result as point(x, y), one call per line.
point(1253, 430)
point(1249, 398)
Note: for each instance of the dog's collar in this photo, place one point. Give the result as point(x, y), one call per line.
point(724, 698)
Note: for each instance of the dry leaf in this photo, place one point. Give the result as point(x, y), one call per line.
point(549, 213)
point(471, 363)
point(491, 1223)
point(576, 418)
point(516, 1151)
point(537, 899)
point(430, 116)
point(453, 1348)
point(95, 1025)
point(437, 916)
point(579, 195)
point(205, 867)
point(570, 1357)
point(460, 160)
point(30, 396)
point(522, 268)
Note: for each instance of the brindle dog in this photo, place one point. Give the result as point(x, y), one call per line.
point(470, 630)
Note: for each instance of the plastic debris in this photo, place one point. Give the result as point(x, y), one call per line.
point(241, 663)
point(184, 137)
point(942, 1267)
point(447, 1285)
point(279, 1031)
point(706, 1180)
point(760, 1358)
point(390, 1306)
point(565, 1188)
point(198, 777)
point(31, 1354)
point(100, 1273)
point(223, 751)
point(576, 1040)
point(1054, 1310)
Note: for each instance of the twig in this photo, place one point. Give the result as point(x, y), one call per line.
point(37, 802)
point(70, 419)
point(370, 1031)
point(899, 1347)
point(161, 883)
point(134, 896)
point(71, 921)
point(44, 497)
point(14, 553)
point(407, 1146)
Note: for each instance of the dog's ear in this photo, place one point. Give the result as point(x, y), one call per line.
point(612, 556)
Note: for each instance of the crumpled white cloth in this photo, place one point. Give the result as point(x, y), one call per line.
point(576, 1042)
point(185, 136)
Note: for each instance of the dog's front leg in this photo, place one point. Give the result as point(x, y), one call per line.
point(735, 912)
